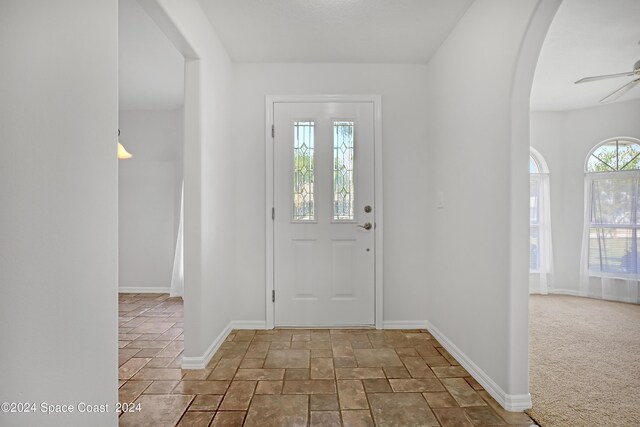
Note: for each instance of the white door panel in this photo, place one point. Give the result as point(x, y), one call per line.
point(323, 180)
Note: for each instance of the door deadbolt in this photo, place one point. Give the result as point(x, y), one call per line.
point(367, 209)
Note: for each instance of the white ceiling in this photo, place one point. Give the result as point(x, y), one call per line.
point(368, 31)
point(150, 69)
point(587, 38)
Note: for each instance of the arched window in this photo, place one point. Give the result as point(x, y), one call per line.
point(540, 251)
point(612, 212)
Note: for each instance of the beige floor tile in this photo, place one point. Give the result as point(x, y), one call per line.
point(228, 419)
point(440, 399)
point(323, 402)
point(311, 345)
point(380, 385)
point(415, 385)
point(148, 344)
point(277, 411)
point(206, 402)
point(359, 373)
point(131, 367)
point(397, 373)
point(344, 362)
point(473, 383)
point(152, 327)
point(436, 361)
point(288, 376)
point(315, 353)
point(401, 409)
point(158, 374)
point(322, 368)
point(309, 387)
point(452, 417)
point(509, 417)
point(297, 374)
point(462, 392)
point(238, 396)
point(196, 374)
point(427, 351)
point(360, 418)
point(483, 416)
point(125, 354)
point(159, 362)
point(325, 419)
point(131, 390)
point(418, 368)
point(269, 387)
point(225, 369)
point(351, 395)
point(161, 387)
point(201, 387)
point(259, 374)
point(251, 363)
point(196, 419)
point(450, 371)
point(287, 359)
point(157, 410)
point(377, 358)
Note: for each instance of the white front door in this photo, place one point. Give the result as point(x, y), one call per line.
point(324, 222)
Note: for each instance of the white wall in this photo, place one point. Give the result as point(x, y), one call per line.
point(565, 138)
point(404, 100)
point(478, 84)
point(149, 189)
point(209, 165)
point(58, 207)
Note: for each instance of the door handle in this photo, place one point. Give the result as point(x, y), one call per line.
point(366, 226)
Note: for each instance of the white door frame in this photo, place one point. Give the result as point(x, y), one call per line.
point(376, 100)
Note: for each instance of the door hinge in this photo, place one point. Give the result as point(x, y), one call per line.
point(273, 131)
point(273, 296)
point(273, 213)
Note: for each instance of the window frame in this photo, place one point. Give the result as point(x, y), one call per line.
point(590, 177)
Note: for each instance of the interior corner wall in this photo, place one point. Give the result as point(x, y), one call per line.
point(149, 188)
point(58, 208)
point(565, 138)
point(470, 86)
point(209, 162)
point(404, 100)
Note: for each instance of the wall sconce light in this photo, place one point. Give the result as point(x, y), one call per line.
point(122, 152)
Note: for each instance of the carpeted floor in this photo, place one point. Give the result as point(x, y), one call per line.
point(585, 362)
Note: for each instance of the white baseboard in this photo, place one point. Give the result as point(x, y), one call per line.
point(405, 324)
point(510, 402)
point(565, 292)
point(248, 324)
point(200, 362)
point(144, 290)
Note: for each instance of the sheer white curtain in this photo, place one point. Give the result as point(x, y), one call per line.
point(177, 278)
point(541, 258)
point(610, 266)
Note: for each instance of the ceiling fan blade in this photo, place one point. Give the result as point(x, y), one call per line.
point(606, 76)
point(621, 91)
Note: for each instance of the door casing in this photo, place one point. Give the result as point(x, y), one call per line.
point(376, 100)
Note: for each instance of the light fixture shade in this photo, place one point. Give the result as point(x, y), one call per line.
point(122, 153)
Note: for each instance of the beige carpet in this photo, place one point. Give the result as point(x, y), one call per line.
point(585, 362)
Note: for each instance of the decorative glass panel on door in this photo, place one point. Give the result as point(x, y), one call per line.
point(303, 171)
point(343, 185)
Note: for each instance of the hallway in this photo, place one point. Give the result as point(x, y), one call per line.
point(293, 377)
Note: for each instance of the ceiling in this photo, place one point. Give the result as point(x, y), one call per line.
point(587, 38)
point(366, 31)
point(150, 69)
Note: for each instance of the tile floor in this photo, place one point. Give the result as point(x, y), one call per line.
point(294, 377)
